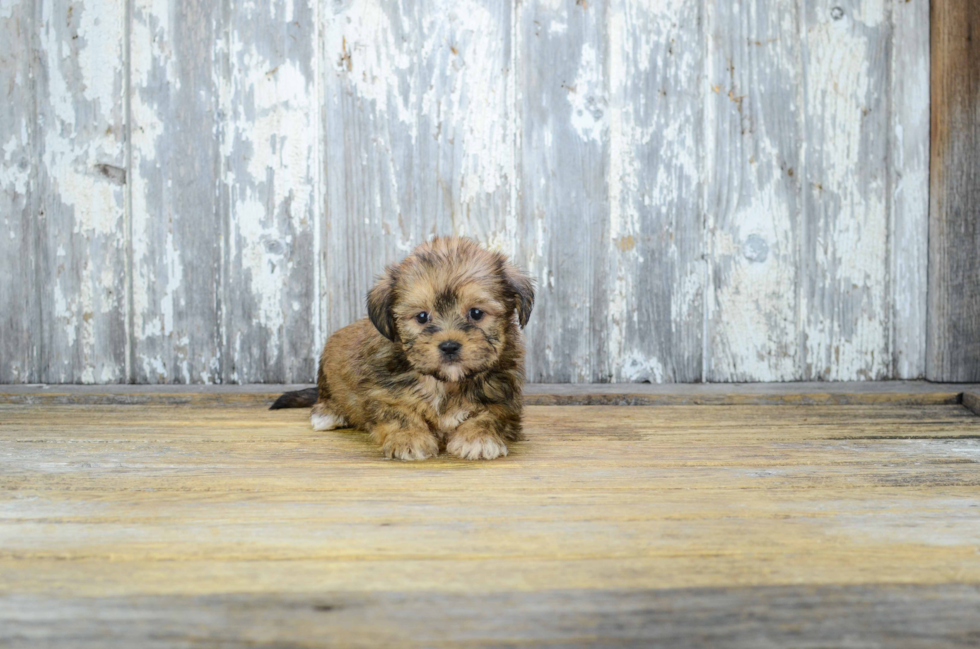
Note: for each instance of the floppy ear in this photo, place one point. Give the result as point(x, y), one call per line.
point(522, 288)
point(381, 302)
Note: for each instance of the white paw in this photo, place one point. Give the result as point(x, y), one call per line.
point(327, 422)
point(409, 448)
point(481, 448)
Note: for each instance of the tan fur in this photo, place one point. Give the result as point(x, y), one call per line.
point(386, 373)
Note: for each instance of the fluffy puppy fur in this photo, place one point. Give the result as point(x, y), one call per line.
point(438, 363)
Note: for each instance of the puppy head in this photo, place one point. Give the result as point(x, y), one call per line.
point(451, 305)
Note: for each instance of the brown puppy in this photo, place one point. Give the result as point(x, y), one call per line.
point(439, 362)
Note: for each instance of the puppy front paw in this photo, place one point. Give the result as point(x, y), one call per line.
point(476, 447)
point(410, 445)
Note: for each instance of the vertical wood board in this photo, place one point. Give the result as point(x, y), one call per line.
point(845, 300)
point(754, 120)
point(176, 232)
point(908, 168)
point(271, 155)
point(370, 160)
point(954, 214)
point(19, 313)
point(564, 107)
point(648, 259)
point(82, 176)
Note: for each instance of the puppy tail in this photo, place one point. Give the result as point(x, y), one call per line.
point(297, 399)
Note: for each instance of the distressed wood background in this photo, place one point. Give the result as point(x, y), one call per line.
point(198, 191)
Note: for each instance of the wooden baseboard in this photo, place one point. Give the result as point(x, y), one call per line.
point(717, 394)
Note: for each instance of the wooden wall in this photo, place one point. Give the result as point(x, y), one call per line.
point(200, 191)
point(953, 349)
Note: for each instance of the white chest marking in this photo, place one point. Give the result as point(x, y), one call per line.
point(432, 390)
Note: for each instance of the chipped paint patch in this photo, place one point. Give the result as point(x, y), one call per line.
point(587, 97)
point(845, 304)
point(270, 175)
point(81, 108)
point(752, 325)
point(429, 128)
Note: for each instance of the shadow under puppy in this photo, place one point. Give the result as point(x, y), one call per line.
point(438, 363)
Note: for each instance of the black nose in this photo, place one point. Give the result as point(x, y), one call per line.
point(449, 347)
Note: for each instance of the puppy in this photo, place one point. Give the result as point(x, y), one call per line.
point(438, 363)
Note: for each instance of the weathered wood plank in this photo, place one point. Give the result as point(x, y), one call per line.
point(754, 159)
point(908, 169)
point(843, 393)
point(466, 120)
point(19, 197)
point(371, 158)
point(271, 156)
point(177, 53)
point(564, 157)
point(82, 187)
point(954, 213)
point(256, 226)
point(841, 616)
point(846, 304)
point(127, 526)
point(647, 310)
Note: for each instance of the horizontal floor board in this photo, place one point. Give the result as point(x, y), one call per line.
point(116, 522)
point(935, 616)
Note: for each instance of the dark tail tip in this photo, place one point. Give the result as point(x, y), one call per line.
point(297, 399)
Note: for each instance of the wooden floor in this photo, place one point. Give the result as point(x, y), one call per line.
point(742, 525)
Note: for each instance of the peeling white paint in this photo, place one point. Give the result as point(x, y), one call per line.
point(13, 175)
point(623, 186)
point(398, 69)
point(82, 150)
point(637, 368)
point(851, 256)
point(909, 164)
point(9, 7)
point(362, 46)
point(587, 97)
point(271, 182)
point(477, 100)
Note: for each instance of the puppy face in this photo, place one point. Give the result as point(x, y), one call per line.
point(451, 306)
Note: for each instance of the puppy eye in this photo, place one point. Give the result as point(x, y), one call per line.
point(476, 314)
point(422, 318)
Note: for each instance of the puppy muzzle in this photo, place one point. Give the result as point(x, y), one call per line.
point(450, 350)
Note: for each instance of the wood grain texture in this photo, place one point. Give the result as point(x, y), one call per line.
point(703, 191)
point(927, 617)
point(954, 216)
point(271, 158)
point(754, 117)
point(845, 243)
point(371, 156)
point(908, 169)
point(82, 178)
point(564, 149)
point(177, 64)
point(648, 267)
point(466, 122)
point(19, 306)
point(622, 524)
